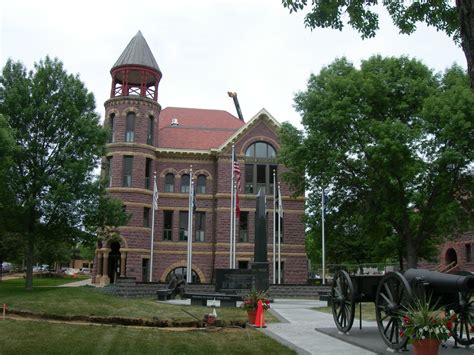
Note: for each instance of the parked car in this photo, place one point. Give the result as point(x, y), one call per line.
point(6, 267)
point(85, 270)
point(71, 272)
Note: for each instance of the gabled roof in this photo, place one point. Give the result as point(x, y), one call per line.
point(137, 52)
point(263, 114)
point(196, 129)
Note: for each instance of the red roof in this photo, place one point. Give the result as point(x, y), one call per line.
point(198, 129)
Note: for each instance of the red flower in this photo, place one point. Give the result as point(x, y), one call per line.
point(406, 319)
point(472, 329)
point(449, 325)
point(402, 334)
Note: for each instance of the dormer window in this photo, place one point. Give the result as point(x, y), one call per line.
point(174, 122)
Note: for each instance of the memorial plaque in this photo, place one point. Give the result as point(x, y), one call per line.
point(234, 280)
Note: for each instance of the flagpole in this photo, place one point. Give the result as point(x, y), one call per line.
point(189, 269)
point(234, 244)
point(323, 241)
point(231, 242)
point(153, 207)
point(274, 228)
point(280, 210)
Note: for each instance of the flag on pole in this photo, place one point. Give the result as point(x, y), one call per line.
point(236, 171)
point(155, 195)
point(194, 205)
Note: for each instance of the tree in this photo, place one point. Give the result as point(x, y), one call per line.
point(456, 20)
point(393, 145)
point(59, 142)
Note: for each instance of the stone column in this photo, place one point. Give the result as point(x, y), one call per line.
point(123, 257)
point(100, 268)
point(105, 272)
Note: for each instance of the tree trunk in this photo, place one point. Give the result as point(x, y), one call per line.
point(465, 10)
point(30, 252)
point(412, 253)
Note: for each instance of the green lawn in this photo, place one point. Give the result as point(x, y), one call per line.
point(368, 311)
point(90, 301)
point(26, 337)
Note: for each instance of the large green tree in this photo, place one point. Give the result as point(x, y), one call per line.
point(392, 143)
point(455, 18)
point(58, 142)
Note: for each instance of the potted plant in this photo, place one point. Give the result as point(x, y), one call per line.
point(426, 326)
point(250, 303)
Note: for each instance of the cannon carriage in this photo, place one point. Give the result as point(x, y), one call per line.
point(394, 292)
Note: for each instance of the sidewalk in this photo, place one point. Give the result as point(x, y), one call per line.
point(297, 329)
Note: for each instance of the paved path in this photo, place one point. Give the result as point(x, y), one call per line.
point(297, 329)
point(78, 283)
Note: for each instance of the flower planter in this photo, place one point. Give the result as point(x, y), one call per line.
point(426, 347)
point(251, 315)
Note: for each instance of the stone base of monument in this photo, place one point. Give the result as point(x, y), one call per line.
point(261, 273)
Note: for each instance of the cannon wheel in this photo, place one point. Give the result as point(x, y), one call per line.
point(393, 296)
point(343, 301)
point(463, 331)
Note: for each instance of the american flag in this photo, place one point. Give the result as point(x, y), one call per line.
point(237, 187)
point(155, 195)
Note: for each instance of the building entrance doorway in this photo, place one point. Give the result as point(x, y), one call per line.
point(451, 257)
point(114, 262)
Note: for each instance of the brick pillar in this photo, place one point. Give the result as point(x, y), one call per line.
point(105, 269)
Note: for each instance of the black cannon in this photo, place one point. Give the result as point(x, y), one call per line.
point(393, 293)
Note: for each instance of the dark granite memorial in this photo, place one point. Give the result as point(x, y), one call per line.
point(260, 266)
point(234, 281)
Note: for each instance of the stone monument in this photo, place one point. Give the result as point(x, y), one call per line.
point(260, 266)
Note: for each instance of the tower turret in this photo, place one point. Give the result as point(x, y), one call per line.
point(136, 72)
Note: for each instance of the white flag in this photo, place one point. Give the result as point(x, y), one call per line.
point(155, 195)
point(280, 205)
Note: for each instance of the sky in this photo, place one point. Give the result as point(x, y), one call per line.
point(204, 48)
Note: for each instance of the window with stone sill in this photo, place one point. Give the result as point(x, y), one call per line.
point(201, 184)
point(169, 182)
point(185, 183)
point(130, 127)
point(168, 225)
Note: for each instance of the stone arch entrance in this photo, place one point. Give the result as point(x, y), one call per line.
point(180, 273)
point(114, 262)
point(451, 257)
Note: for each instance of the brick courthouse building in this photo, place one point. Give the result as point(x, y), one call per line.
point(147, 139)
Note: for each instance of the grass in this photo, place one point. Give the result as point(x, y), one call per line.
point(27, 337)
point(368, 311)
point(89, 301)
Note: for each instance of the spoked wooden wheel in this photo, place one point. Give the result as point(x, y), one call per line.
point(343, 301)
point(463, 330)
point(392, 298)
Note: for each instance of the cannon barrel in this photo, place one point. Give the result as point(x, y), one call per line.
point(440, 282)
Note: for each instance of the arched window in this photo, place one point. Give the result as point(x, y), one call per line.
point(130, 127)
point(260, 164)
point(201, 184)
point(180, 273)
point(185, 183)
point(112, 127)
point(149, 133)
point(169, 182)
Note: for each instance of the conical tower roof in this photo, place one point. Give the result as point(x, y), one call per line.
point(137, 52)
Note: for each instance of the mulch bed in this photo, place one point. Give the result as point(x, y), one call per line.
point(155, 322)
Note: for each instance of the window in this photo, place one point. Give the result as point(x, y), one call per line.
point(260, 159)
point(148, 168)
point(243, 264)
point(169, 182)
point(468, 253)
point(200, 226)
point(149, 133)
point(145, 270)
point(167, 225)
point(130, 127)
point(244, 227)
point(146, 217)
point(201, 184)
point(112, 127)
point(183, 225)
point(127, 171)
point(108, 171)
point(185, 183)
